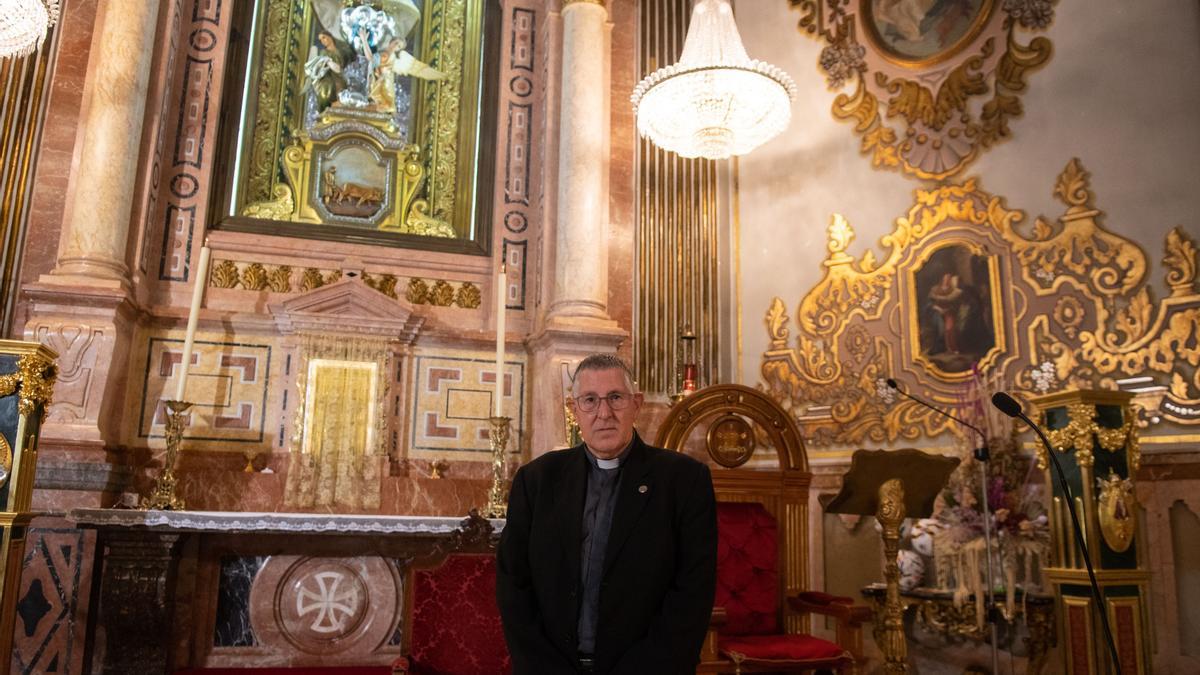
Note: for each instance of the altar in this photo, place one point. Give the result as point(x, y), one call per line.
point(202, 589)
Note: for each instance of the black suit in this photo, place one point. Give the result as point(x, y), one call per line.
point(659, 574)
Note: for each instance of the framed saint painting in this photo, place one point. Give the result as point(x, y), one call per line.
point(367, 121)
point(919, 33)
point(956, 308)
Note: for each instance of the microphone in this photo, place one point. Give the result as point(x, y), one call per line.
point(981, 453)
point(1009, 406)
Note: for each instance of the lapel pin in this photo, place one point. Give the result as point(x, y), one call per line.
point(643, 489)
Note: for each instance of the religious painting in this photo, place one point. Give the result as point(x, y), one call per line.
point(954, 291)
point(928, 85)
point(361, 121)
point(923, 30)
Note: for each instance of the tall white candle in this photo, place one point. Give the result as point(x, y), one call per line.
point(501, 292)
point(193, 315)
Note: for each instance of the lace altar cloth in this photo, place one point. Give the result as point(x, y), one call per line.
point(309, 523)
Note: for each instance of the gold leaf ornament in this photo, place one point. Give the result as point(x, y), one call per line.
point(441, 294)
point(254, 277)
point(468, 296)
point(417, 292)
point(1180, 261)
point(225, 275)
point(942, 108)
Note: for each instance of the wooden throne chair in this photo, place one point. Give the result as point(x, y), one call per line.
point(761, 614)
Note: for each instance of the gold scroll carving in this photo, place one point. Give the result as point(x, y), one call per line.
point(255, 276)
point(1070, 305)
point(928, 94)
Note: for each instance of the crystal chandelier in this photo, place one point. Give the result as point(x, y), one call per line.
point(716, 101)
point(23, 25)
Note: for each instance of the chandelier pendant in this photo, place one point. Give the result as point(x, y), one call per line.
point(716, 101)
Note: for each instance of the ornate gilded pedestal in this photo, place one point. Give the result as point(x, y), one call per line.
point(27, 373)
point(936, 610)
point(1094, 436)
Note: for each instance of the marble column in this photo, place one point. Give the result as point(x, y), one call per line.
point(577, 323)
point(96, 231)
point(581, 253)
point(84, 308)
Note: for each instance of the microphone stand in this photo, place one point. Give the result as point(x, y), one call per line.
point(983, 455)
point(1009, 406)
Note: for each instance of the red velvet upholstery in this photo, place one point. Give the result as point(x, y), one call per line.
point(748, 589)
point(783, 648)
point(747, 569)
point(455, 623)
point(339, 670)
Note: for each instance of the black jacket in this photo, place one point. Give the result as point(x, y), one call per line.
point(660, 567)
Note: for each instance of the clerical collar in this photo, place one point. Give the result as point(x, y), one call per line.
point(608, 464)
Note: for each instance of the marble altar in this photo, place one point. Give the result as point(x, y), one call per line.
point(224, 589)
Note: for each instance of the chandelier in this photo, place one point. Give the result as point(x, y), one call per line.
point(716, 101)
point(23, 25)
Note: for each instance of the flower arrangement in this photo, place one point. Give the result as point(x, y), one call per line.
point(954, 537)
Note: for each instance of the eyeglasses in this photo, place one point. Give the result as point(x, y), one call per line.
point(590, 403)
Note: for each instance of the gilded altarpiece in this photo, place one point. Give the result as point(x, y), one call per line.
point(964, 284)
point(932, 85)
point(360, 121)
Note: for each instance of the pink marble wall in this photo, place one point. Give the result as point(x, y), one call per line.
point(219, 482)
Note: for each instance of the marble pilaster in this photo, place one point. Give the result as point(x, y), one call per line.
point(83, 308)
point(581, 260)
point(578, 322)
point(96, 232)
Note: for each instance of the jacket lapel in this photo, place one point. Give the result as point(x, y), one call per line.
point(632, 494)
point(570, 507)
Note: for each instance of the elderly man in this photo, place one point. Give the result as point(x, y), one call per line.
point(607, 563)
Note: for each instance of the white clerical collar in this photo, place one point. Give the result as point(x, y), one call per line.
point(609, 464)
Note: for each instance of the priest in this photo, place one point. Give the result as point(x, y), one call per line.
point(607, 563)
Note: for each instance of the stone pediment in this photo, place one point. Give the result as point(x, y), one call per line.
point(348, 307)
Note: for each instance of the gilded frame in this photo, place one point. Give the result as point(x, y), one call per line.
point(454, 127)
point(978, 22)
point(916, 322)
point(927, 117)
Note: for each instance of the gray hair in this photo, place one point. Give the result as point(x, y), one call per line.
point(603, 362)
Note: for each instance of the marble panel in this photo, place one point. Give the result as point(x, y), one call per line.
point(52, 605)
point(452, 401)
point(316, 610)
point(183, 191)
point(518, 182)
point(229, 382)
point(233, 627)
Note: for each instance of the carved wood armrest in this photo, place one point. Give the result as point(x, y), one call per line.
point(848, 617)
point(709, 653)
point(839, 607)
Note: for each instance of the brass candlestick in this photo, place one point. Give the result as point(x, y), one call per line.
point(163, 497)
point(497, 506)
